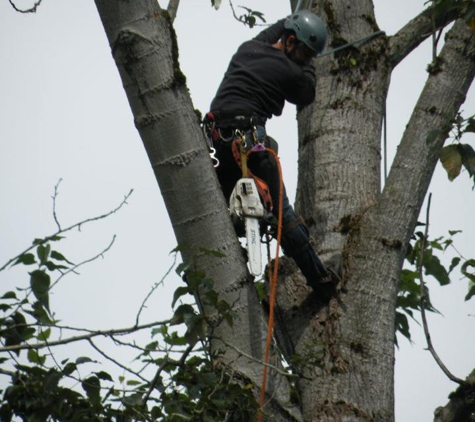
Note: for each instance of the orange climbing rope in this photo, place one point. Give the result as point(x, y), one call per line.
point(241, 157)
point(273, 287)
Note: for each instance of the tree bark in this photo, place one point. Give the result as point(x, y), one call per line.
point(351, 342)
point(461, 406)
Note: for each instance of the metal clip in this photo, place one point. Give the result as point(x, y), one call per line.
point(214, 159)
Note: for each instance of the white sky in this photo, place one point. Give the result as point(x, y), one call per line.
point(64, 115)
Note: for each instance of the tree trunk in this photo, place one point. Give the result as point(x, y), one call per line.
point(351, 342)
point(144, 47)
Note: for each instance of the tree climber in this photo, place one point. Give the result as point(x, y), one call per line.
point(266, 71)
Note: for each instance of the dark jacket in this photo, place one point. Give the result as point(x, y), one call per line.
point(260, 78)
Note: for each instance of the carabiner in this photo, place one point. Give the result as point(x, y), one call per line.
point(212, 155)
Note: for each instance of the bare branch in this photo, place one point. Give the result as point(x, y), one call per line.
point(6, 372)
point(247, 356)
point(154, 287)
point(415, 32)
point(102, 353)
point(73, 269)
point(103, 333)
point(74, 226)
point(30, 10)
point(423, 304)
point(165, 362)
point(55, 195)
point(172, 8)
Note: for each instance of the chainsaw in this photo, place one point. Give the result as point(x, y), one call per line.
point(246, 204)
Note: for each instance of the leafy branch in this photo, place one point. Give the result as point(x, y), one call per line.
point(423, 299)
point(26, 258)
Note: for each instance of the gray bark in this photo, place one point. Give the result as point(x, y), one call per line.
point(351, 342)
point(461, 406)
point(144, 48)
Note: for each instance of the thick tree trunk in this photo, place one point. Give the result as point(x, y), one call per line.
point(145, 50)
point(351, 342)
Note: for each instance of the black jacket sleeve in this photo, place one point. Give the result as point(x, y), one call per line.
point(273, 33)
point(300, 89)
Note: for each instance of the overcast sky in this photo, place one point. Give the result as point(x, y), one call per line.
point(64, 115)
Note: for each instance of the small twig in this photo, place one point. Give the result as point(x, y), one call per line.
point(115, 361)
point(6, 372)
point(423, 313)
point(55, 195)
point(104, 333)
point(73, 269)
point(165, 362)
point(154, 287)
point(240, 20)
point(30, 10)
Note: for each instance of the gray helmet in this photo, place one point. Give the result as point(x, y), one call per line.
point(309, 29)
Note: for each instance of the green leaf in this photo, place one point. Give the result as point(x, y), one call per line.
point(103, 376)
point(182, 313)
point(152, 346)
point(197, 329)
point(40, 283)
point(44, 335)
point(468, 158)
point(454, 263)
point(35, 357)
point(471, 122)
point(43, 251)
point(133, 382)
point(92, 387)
point(132, 400)
point(40, 314)
point(69, 368)
point(181, 291)
point(26, 259)
point(60, 257)
point(433, 267)
point(470, 275)
point(451, 160)
point(52, 266)
point(9, 295)
point(182, 268)
point(471, 291)
point(83, 359)
point(402, 325)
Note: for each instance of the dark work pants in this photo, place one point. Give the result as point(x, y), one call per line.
point(295, 240)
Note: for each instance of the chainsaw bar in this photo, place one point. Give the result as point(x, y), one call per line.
point(245, 203)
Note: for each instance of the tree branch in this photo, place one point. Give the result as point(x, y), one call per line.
point(426, 132)
point(173, 8)
point(74, 226)
point(415, 32)
point(125, 368)
point(423, 304)
point(106, 333)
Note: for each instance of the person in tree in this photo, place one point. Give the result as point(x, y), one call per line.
point(274, 67)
